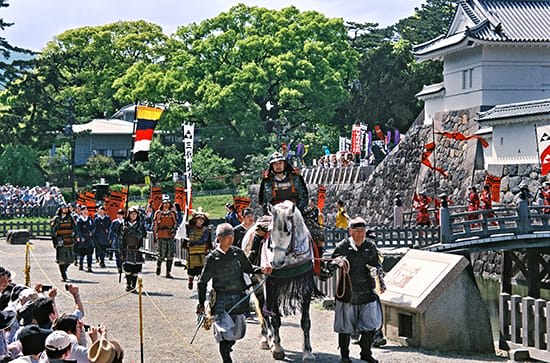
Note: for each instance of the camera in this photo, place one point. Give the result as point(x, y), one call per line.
point(46, 287)
point(86, 327)
point(67, 287)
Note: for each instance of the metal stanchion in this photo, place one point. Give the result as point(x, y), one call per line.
point(27, 269)
point(140, 289)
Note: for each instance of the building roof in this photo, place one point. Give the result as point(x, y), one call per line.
point(518, 111)
point(500, 21)
point(106, 126)
point(431, 89)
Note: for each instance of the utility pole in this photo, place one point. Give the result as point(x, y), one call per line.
point(70, 133)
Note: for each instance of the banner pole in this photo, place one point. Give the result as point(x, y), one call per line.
point(27, 269)
point(538, 151)
point(435, 160)
point(140, 290)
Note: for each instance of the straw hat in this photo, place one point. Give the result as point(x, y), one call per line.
point(105, 351)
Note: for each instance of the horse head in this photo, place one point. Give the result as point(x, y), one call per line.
point(289, 235)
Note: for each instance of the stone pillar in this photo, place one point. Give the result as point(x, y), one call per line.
point(446, 232)
point(397, 212)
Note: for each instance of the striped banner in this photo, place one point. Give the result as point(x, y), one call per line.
point(147, 118)
point(90, 203)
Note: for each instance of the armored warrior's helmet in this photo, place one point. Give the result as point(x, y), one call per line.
point(165, 199)
point(276, 156)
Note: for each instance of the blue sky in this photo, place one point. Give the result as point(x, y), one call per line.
point(38, 21)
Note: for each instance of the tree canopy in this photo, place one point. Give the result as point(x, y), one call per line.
point(250, 70)
point(249, 78)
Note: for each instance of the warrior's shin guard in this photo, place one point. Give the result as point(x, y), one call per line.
point(343, 344)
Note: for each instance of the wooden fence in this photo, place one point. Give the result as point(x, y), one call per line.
point(525, 324)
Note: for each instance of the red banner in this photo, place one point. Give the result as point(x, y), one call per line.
point(81, 199)
point(429, 149)
point(240, 203)
point(356, 139)
point(90, 203)
point(459, 136)
point(379, 133)
point(115, 201)
point(155, 198)
point(321, 195)
point(180, 197)
point(494, 182)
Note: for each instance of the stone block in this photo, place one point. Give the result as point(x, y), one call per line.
point(519, 355)
point(18, 236)
point(432, 303)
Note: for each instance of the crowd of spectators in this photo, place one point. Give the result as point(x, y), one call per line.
point(33, 330)
point(338, 160)
point(18, 201)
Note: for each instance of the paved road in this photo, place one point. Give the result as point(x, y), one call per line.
point(169, 316)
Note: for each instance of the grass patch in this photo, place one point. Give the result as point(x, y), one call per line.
point(214, 205)
point(27, 219)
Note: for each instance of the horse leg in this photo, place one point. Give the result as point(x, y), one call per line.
point(267, 333)
point(277, 350)
point(306, 326)
point(264, 321)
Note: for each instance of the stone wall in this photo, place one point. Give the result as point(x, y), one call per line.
point(401, 173)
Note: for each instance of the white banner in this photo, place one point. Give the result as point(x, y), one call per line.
point(188, 132)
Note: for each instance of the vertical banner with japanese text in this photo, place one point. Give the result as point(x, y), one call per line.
point(188, 136)
point(356, 139)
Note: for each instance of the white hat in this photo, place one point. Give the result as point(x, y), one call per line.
point(58, 340)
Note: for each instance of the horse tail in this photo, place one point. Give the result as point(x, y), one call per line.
point(258, 309)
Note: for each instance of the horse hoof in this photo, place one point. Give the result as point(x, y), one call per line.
point(308, 357)
point(264, 345)
point(278, 355)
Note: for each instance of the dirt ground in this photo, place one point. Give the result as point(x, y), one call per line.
point(169, 316)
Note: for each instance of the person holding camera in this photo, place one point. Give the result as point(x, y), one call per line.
point(63, 231)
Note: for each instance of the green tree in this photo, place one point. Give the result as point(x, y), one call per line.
point(429, 21)
point(100, 166)
point(164, 160)
point(19, 166)
point(57, 168)
point(131, 173)
point(72, 79)
point(238, 74)
point(208, 165)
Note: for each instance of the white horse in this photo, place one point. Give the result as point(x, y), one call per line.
point(291, 286)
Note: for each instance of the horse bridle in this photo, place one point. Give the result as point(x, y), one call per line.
point(291, 246)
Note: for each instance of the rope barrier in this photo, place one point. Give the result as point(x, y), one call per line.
point(172, 326)
point(89, 302)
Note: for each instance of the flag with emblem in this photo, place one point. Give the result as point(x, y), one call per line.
point(543, 145)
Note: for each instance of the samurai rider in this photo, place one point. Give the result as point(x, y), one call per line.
point(131, 235)
point(357, 308)
point(63, 232)
point(282, 182)
point(164, 227)
point(225, 267)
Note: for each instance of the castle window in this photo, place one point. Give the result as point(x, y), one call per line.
point(467, 78)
